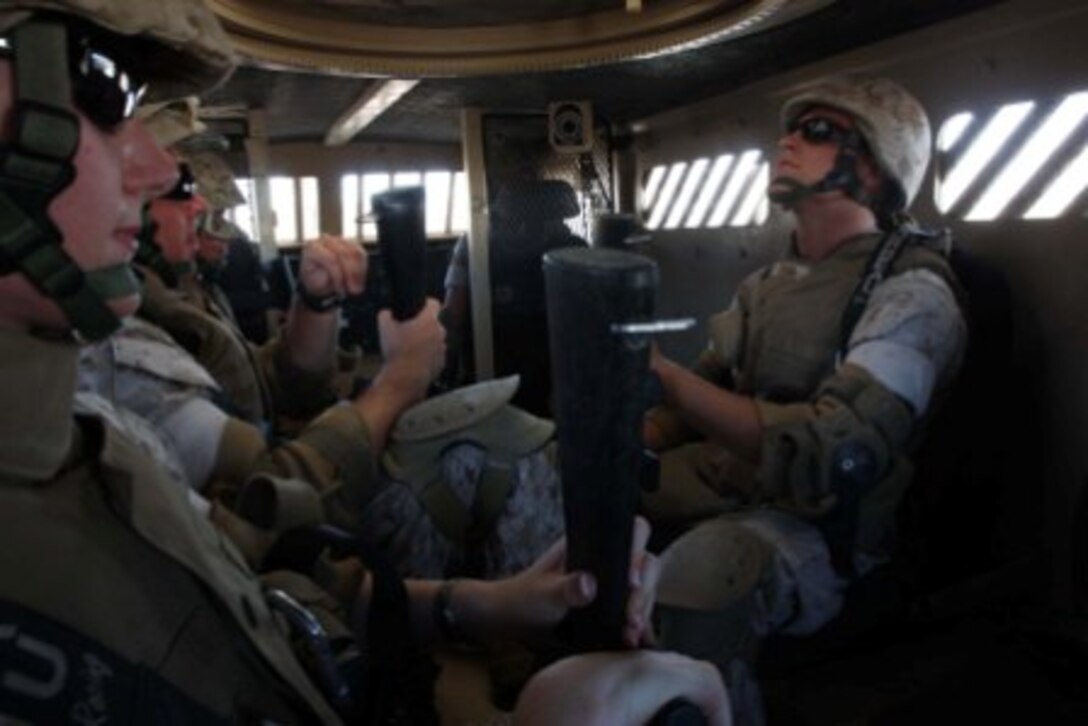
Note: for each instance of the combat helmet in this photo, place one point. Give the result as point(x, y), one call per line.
point(70, 54)
point(891, 123)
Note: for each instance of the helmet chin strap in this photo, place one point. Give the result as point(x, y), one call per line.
point(34, 169)
point(843, 177)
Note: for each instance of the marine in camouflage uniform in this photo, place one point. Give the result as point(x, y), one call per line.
point(97, 535)
point(474, 494)
point(815, 384)
point(120, 601)
point(466, 485)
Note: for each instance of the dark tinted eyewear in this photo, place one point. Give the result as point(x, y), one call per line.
point(185, 189)
point(105, 93)
point(820, 130)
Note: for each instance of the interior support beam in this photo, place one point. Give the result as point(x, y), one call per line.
point(479, 264)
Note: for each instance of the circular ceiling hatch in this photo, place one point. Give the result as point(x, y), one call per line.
point(431, 38)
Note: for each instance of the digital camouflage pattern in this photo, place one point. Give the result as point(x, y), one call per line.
point(187, 50)
point(398, 521)
point(215, 180)
point(171, 121)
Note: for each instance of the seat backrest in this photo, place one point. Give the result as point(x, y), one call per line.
point(962, 465)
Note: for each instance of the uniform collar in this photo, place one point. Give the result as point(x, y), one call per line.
point(35, 404)
point(866, 241)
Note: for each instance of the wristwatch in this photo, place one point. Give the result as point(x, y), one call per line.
point(445, 619)
point(319, 304)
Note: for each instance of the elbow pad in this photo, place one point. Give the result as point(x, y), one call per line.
point(834, 449)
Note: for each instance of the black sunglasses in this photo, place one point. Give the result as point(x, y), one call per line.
point(820, 130)
point(185, 189)
point(102, 89)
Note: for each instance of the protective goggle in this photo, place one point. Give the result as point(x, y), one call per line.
point(821, 130)
point(102, 90)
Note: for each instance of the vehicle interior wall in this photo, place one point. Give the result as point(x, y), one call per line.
point(1021, 49)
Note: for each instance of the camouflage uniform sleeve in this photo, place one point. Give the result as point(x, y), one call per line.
point(904, 351)
point(296, 393)
point(332, 454)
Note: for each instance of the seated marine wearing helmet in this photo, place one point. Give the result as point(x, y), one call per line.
point(121, 600)
point(475, 494)
point(815, 385)
point(466, 484)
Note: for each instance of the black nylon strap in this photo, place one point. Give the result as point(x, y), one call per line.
point(35, 249)
point(50, 673)
point(38, 167)
point(876, 270)
point(397, 687)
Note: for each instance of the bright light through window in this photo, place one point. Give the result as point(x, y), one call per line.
point(285, 219)
point(407, 179)
point(349, 206)
point(649, 195)
point(981, 152)
point(243, 214)
point(460, 219)
point(437, 189)
point(664, 200)
point(1042, 145)
point(738, 184)
point(753, 203)
point(691, 183)
point(1063, 191)
point(372, 184)
point(710, 188)
point(311, 208)
point(952, 131)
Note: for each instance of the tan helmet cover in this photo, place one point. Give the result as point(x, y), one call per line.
point(456, 409)
point(891, 120)
point(186, 50)
point(223, 229)
point(171, 122)
point(215, 180)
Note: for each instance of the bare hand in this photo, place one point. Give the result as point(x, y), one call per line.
point(535, 600)
point(414, 350)
point(333, 266)
point(620, 689)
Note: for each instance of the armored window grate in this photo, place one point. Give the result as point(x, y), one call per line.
point(1023, 160)
point(730, 190)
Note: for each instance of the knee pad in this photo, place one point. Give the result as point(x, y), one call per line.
point(713, 565)
point(709, 590)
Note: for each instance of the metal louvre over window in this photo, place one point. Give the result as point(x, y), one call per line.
point(730, 190)
point(1022, 160)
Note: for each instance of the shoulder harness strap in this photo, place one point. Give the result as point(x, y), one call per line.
point(876, 271)
point(34, 169)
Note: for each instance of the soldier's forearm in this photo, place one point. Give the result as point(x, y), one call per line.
point(311, 337)
point(717, 413)
point(395, 388)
